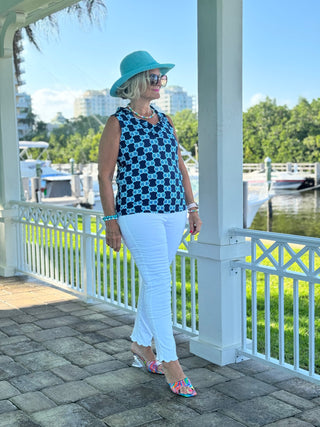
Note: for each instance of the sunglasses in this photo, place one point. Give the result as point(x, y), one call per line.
point(155, 79)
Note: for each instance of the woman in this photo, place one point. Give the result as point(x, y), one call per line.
point(154, 195)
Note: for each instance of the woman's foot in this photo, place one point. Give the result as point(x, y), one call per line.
point(146, 356)
point(177, 380)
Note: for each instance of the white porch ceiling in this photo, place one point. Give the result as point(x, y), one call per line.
point(31, 10)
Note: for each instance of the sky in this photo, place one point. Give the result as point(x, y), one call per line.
point(281, 51)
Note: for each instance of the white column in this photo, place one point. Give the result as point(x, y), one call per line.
point(9, 152)
point(220, 176)
point(9, 149)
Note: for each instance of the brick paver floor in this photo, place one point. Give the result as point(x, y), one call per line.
point(65, 362)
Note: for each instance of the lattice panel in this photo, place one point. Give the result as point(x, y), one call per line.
point(101, 229)
point(286, 258)
point(49, 217)
point(185, 240)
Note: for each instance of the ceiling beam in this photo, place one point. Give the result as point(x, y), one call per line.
point(33, 10)
point(15, 14)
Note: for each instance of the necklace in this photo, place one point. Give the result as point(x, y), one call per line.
point(140, 115)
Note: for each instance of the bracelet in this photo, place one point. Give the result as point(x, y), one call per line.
point(109, 217)
point(193, 210)
point(192, 205)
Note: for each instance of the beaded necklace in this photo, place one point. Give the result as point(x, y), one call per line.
point(140, 115)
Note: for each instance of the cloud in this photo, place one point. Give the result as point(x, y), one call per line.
point(256, 98)
point(47, 102)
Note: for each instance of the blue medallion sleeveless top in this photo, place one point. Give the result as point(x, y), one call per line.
point(148, 174)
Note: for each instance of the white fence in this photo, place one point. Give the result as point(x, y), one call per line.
point(308, 169)
point(280, 280)
point(281, 300)
point(66, 247)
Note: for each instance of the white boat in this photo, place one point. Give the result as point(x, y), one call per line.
point(254, 202)
point(279, 180)
point(255, 196)
point(55, 186)
point(29, 165)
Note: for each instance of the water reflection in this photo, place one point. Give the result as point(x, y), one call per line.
point(292, 213)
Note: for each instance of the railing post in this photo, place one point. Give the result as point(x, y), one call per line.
point(75, 186)
point(245, 203)
point(220, 179)
point(9, 243)
point(268, 167)
point(87, 268)
point(317, 173)
point(10, 188)
point(35, 189)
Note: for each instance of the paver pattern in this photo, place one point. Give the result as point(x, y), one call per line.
point(67, 363)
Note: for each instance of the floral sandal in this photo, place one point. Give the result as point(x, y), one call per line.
point(153, 366)
point(176, 387)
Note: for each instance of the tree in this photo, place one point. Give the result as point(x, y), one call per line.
point(263, 125)
point(83, 148)
point(283, 134)
point(30, 119)
point(40, 132)
point(80, 125)
point(186, 125)
point(92, 9)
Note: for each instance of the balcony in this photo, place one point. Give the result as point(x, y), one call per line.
point(59, 367)
point(64, 361)
point(278, 290)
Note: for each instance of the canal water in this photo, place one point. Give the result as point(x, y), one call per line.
point(293, 212)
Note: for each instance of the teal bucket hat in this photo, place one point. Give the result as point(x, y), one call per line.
point(135, 63)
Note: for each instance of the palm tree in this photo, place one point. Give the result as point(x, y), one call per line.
point(93, 10)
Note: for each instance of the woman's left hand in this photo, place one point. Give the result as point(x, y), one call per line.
point(195, 223)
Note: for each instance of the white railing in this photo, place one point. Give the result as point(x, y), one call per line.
point(251, 167)
point(309, 169)
point(303, 168)
point(280, 280)
point(66, 247)
point(281, 300)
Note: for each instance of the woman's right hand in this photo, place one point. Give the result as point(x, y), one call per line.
point(113, 235)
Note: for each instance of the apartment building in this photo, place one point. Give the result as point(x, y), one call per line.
point(23, 107)
point(173, 99)
point(97, 102)
point(91, 102)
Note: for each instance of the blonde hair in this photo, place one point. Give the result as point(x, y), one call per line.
point(134, 87)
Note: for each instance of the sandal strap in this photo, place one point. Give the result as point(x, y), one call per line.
point(175, 387)
point(153, 366)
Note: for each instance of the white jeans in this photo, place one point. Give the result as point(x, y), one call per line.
point(153, 240)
